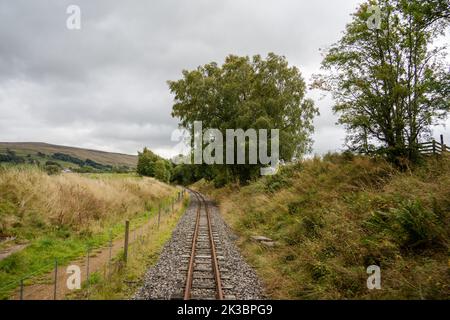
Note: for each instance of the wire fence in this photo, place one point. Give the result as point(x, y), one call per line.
point(36, 285)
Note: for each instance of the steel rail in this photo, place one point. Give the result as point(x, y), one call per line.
point(190, 272)
point(215, 263)
point(214, 260)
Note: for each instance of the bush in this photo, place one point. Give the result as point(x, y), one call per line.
point(52, 169)
point(152, 165)
point(221, 179)
point(67, 158)
point(146, 163)
point(11, 157)
point(161, 172)
point(417, 225)
point(279, 180)
point(410, 225)
point(52, 163)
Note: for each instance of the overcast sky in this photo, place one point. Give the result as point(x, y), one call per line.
point(104, 86)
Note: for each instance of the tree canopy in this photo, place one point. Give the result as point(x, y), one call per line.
point(152, 165)
point(390, 84)
point(247, 93)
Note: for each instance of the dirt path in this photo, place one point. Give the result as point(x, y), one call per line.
point(98, 260)
point(9, 251)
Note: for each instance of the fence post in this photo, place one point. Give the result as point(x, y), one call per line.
point(87, 265)
point(56, 280)
point(434, 146)
point(442, 144)
point(125, 247)
point(21, 289)
point(159, 214)
point(110, 255)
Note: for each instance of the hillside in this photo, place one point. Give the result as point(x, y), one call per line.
point(331, 218)
point(32, 148)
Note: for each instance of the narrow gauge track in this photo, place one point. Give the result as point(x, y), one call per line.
point(204, 279)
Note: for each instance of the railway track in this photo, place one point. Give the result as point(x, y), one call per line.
point(200, 261)
point(203, 256)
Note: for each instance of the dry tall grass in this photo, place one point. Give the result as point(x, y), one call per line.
point(334, 217)
point(30, 200)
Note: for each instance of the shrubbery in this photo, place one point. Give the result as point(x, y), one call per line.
point(411, 225)
point(151, 165)
point(52, 169)
point(11, 157)
point(334, 217)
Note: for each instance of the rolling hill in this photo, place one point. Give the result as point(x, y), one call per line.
point(36, 149)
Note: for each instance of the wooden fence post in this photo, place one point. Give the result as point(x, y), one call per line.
point(87, 273)
point(434, 146)
point(125, 246)
point(87, 265)
point(442, 144)
point(159, 214)
point(21, 289)
point(110, 255)
point(56, 280)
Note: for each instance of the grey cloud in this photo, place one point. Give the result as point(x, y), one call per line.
point(104, 86)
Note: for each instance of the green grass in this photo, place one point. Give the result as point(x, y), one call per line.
point(123, 282)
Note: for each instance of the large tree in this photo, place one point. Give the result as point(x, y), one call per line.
point(390, 84)
point(247, 93)
point(151, 165)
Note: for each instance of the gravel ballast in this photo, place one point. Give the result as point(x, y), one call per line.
point(165, 280)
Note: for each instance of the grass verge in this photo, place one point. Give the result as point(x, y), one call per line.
point(60, 217)
point(331, 218)
point(115, 281)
